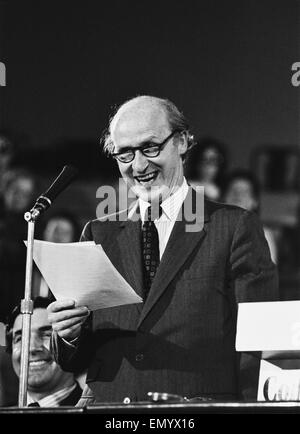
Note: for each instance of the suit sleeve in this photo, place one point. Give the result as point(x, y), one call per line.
point(253, 279)
point(253, 274)
point(73, 357)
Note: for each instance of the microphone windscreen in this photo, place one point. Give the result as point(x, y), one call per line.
point(65, 177)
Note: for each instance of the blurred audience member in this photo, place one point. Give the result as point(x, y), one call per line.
point(7, 150)
point(48, 384)
point(241, 189)
point(20, 190)
point(19, 193)
point(62, 227)
point(206, 165)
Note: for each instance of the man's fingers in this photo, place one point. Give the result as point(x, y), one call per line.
point(68, 324)
point(57, 306)
point(70, 333)
point(63, 315)
point(66, 319)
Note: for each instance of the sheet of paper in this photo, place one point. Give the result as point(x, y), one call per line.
point(268, 326)
point(84, 273)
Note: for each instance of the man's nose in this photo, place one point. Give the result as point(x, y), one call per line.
point(140, 162)
point(36, 343)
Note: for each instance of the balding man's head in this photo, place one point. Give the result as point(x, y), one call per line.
point(139, 107)
point(149, 138)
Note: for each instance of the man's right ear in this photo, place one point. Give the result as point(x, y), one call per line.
point(183, 143)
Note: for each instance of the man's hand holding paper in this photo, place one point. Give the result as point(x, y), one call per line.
point(66, 318)
point(82, 278)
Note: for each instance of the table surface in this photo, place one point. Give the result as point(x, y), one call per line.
point(147, 408)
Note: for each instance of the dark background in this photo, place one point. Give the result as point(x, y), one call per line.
point(226, 64)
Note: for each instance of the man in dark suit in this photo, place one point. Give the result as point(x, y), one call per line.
point(48, 384)
point(190, 274)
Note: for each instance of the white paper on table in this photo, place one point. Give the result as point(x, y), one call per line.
point(82, 272)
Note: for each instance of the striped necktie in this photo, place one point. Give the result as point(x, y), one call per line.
point(150, 247)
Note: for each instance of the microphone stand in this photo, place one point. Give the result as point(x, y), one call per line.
point(42, 204)
point(27, 309)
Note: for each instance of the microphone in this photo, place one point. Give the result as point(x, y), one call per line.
point(44, 201)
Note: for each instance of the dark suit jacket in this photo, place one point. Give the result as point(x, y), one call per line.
point(73, 398)
point(182, 339)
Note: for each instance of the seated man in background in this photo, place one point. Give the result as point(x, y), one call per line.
point(48, 384)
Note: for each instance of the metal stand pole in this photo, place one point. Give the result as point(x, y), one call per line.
point(42, 204)
point(26, 311)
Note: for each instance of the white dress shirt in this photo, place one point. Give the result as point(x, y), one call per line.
point(170, 210)
point(53, 399)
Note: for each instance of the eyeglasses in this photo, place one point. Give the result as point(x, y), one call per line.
point(149, 150)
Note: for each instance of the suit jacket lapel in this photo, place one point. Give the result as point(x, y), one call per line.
point(179, 247)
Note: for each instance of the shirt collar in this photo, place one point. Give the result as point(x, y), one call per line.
point(170, 206)
point(54, 399)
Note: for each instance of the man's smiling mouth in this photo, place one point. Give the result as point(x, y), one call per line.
point(147, 178)
point(39, 363)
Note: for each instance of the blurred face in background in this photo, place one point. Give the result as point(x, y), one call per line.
point(240, 193)
point(209, 165)
point(59, 230)
point(18, 196)
point(44, 374)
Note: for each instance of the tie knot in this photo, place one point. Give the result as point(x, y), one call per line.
point(153, 212)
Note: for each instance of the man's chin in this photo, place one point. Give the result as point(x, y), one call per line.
point(39, 378)
point(153, 194)
point(37, 383)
